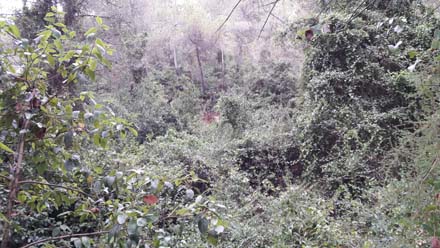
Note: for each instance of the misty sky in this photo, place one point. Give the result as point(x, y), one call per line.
point(8, 6)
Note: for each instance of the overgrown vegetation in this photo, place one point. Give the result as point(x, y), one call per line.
point(219, 150)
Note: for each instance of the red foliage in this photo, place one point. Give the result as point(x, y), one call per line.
point(94, 210)
point(309, 34)
point(35, 103)
point(435, 242)
point(40, 133)
point(211, 116)
point(151, 199)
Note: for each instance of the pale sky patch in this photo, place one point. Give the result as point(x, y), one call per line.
point(9, 6)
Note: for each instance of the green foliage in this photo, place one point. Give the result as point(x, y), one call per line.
point(345, 156)
point(57, 186)
point(355, 100)
point(45, 126)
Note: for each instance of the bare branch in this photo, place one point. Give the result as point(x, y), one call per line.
point(229, 16)
point(279, 19)
point(268, 16)
point(55, 186)
point(433, 165)
point(90, 15)
point(267, 4)
point(64, 237)
point(324, 9)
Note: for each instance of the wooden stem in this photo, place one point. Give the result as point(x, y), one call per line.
point(202, 77)
point(55, 186)
point(14, 186)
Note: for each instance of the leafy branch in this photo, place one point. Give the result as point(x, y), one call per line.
point(64, 237)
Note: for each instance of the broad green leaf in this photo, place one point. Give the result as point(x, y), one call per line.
point(99, 20)
point(437, 34)
point(92, 64)
point(51, 60)
point(97, 139)
point(58, 45)
point(22, 196)
point(56, 33)
point(212, 237)
point(435, 44)
point(14, 31)
point(133, 131)
point(412, 54)
point(202, 224)
point(3, 217)
point(132, 228)
point(90, 73)
point(91, 31)
point(6, 148)
point(182, 211)
point(100, 42)
point(68, 55)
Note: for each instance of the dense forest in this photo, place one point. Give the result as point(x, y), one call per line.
point(219, 123)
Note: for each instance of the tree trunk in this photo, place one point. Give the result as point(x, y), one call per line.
point(70, 9)
point(202, 78)
point(223, 66)
point(14, 188)
point(176, 66)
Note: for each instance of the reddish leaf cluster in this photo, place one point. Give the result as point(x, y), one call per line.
point(435, 242)
point(150, 199)
point(210, 117)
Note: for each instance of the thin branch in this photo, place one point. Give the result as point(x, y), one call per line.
point(432, 11)
point(279, 19)
point(366, 7)
point(324, 9)
point(55, 186)
point(356, 12)
point(90, 15)
point(267, 4)
point(229, 16)
point(268, 16)
point(433, 165)
point(64, 237)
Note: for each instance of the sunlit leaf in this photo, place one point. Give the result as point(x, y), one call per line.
point(14, 31)
point(99, 20)
point(6, 148)
point(91, 31)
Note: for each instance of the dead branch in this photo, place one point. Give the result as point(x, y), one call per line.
point(229, 16)
point(268, 16)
